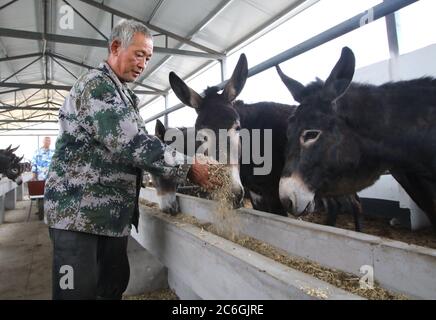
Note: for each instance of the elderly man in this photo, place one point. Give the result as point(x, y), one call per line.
point(91, 194)
point(41, 160)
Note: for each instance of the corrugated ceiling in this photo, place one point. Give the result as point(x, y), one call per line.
point(208, 27)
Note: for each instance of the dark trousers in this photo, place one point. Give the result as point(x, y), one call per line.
point(88, 266)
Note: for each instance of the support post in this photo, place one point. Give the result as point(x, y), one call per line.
point(2, 209)
point(166, 114)
point(10, 199)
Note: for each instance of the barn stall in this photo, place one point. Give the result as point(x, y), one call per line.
point(187, 254)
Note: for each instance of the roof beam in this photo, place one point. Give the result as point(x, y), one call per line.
point(7, 4)
point(28, 121)
point(23, 68)
point(50, 37)
point(32, 107)
point(27, 129)
point(11, 91)
point(31, 119)
point(57, 87)
point(66, 59)
point(35, 86)
point(65, 68)
point(223, 5)
point(3, 48)
point(54, 55)
point(153, 27)
point(22, 56)
point(15, 106)
point(147, 92)
point(44, 41)
point(87, 21)
point(28, 108)
point(156, 8)
point(27, 99)
point(26, 134)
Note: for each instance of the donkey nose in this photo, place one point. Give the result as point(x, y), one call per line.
point(287, 204)
point(19, 180)
point(238, 199)
point(172, 209)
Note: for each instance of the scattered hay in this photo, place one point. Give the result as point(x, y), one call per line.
point(164, 294)
point(339, 279)
point(380, 227)
point(226, 222)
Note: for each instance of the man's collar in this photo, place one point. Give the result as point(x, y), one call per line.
point(107, 69)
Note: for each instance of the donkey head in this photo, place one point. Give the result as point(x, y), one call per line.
point(10, 164)
point(321, 147)
point(216, 115)
point(165, 188)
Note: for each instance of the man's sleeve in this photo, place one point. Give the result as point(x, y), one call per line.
point(105, 116)
point(34, 164)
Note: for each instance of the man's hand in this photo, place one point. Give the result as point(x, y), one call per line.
point(199, 174)
point(34, 177)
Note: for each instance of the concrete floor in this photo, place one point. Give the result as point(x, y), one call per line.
point(25, 255)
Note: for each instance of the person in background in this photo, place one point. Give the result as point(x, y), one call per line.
point(41, 160)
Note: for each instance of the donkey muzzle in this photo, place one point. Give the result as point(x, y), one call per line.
point(295, 196)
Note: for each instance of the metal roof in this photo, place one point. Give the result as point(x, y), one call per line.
point(40, 58)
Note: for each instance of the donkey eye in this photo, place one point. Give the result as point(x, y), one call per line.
point(309, 137)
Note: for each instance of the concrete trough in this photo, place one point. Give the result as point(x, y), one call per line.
point(203, 265)
point(397, 266)
point(10, 192)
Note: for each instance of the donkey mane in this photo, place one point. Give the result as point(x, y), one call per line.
point(423, 83)
point(417, 83)
point(313, 87)
point(211, 91)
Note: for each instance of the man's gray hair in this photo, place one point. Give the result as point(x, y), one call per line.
point(124, 31)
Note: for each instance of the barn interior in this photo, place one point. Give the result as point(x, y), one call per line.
point(46, 45)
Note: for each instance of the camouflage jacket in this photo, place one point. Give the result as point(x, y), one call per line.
point(101, 151)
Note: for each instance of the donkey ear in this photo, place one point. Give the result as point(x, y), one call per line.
point(159, 130)
point(188, 96)
point(17, 160)
point(14, 149)
point(340, 78)
point(294, 87)
point(237, 82)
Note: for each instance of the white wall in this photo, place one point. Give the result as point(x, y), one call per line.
point(412, 65)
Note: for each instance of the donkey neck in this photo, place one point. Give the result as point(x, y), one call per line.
point(264, 115)
point(393, 121)
point(5, 162)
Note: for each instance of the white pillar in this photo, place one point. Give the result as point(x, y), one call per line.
point(147, 274)
point(10, 199)
point(2, 209)
point(20, 192)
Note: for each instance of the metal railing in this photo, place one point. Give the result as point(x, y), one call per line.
point(382, 10)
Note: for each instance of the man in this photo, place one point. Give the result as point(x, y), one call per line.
point(91, 194)
point(41, 160)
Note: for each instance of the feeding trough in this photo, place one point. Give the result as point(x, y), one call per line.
point(397, 266)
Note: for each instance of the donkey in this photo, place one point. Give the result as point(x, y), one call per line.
point(344, 135)
point(221, 111)
point(10, 164)
point(166, 188)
